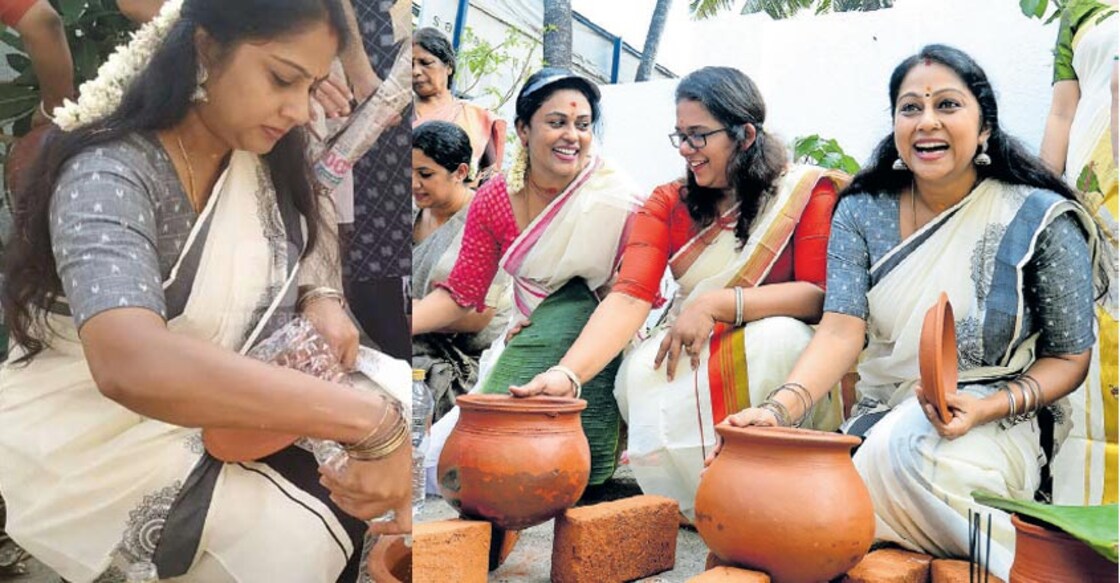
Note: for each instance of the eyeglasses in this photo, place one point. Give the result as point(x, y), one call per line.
point(697, 141)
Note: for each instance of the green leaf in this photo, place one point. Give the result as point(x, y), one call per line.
point(1033, 8)
point(18, 62)
point(849, 165)
point(86, 59)
point(1093, 525)
point(701, 9)
point(16, 100)
point(11, 39)
point(71, 11)
point(803, 145)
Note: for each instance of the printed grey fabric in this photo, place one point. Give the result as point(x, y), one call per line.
point(1059, 294)
point(381, 246)
point(119, 220)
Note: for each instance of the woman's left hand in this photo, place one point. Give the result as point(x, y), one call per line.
point(965, 409)
point(334, 324)
point(369, 489)
point(689, 332)
point(550, 383)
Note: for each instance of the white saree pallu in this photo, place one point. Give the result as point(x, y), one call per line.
point(921, 484)
point(579, 234)
point(91, 486)
point(671, 423)
point(1086, 470)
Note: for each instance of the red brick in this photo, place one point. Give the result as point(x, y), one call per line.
point(730, 575)
point(891, 566)
point(501, 545)
point(615, 541)
point(949, 571)
point(450, 551)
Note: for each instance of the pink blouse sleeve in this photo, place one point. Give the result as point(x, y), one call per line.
point(489, 231)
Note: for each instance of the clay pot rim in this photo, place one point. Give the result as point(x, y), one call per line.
point(1038, 530)
point(790, 435)
point(510, 404)
point(937, 355)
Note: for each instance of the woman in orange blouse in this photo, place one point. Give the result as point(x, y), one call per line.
point(744, 235)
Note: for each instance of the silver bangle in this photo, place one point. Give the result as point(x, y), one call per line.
point(318, 293)
point(43, 110)
point(738, 306)
point(571, 374)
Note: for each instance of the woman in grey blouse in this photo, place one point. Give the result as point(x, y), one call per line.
point(950, 203)
point(153, 246)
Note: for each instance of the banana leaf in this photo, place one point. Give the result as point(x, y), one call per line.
point(1093, 525)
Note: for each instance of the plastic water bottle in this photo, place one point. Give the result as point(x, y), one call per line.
point(422, 404)
point(142, 572)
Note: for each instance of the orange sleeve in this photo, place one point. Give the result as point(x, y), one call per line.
point(12, 11)
point(810, 238)
point(647, 249)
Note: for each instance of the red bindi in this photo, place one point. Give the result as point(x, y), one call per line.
point(573, 104)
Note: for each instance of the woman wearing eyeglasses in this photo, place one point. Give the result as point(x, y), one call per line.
point(744, 234)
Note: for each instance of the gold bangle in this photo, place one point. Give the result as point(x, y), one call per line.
point(383, 449)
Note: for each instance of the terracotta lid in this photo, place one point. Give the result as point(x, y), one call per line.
point(937, 355)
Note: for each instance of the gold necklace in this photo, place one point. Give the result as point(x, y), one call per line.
point(190, 173)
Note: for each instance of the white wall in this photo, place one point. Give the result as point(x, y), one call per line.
point(828, 75)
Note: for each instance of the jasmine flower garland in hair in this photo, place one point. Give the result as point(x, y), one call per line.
point(515, 178)
point(99, 97)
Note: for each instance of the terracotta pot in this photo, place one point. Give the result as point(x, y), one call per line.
point(937, 356)
point(515, 462)
point(390, 561)
point(785, 501)
point(244, 445)
point(1044, 555)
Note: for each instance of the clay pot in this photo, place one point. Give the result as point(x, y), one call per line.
point(937, 356)
point(244, 445)
point(1045, 555)
point(785, 501)
point(515, 462)
point(390, 561)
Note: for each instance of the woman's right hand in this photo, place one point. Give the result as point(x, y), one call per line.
point(517, 328)
point(753, 416)
point(369, 489)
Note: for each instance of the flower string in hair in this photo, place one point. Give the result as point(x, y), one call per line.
point(515, 178)
point(99, 97)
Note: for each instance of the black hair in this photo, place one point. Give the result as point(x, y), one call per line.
point(528, 103)
point(157, 99)
point(734, 100)
point(1011, 161)
point(444, 142)
point(435, 42)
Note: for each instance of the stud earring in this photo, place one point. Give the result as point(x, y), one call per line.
point(899, 165)
point(199, 95)
point(983, 159)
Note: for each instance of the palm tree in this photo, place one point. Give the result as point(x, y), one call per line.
point(558, 33)
point(653, 39)
point(780, 9)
